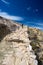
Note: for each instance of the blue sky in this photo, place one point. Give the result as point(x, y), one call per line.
point(28, 12)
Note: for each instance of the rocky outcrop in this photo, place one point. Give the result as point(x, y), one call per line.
point(16, 49)
point(10, 24)
point(6, 27)
point(4, 30)
point(36, 37)
point(15, 45)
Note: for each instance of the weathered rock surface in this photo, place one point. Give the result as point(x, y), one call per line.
point(15, 44)
point(36, 37)
point(16, 49)
point(4, 30)
point(6, 27)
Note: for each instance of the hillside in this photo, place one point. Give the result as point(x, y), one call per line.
point(19, 44)
point(36, 37)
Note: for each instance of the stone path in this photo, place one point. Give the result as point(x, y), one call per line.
point(21, 52)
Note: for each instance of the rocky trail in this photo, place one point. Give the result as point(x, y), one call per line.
point(19, 44)
point(17, 49)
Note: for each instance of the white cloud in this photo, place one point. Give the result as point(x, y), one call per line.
point(4, 1)
point(40, 24)
point(38, 27)
point(6, 15)
point(29, 8)
point(0, 10)
point(36, 10)
point(36, 24)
